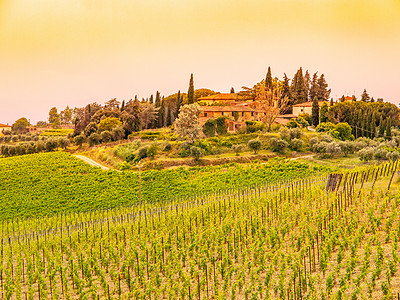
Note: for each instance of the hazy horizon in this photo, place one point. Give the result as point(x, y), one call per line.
point(59, 53)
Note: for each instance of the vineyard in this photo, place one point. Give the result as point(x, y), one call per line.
point(54, 183)
point(310, 238)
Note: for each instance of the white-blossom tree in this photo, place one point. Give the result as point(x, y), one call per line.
point(187, 124)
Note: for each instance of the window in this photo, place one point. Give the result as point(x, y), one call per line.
point(252, 114)
point(205, 114)
point(242, 114)
point(232, 114)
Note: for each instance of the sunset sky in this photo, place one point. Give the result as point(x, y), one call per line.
point(73, 52)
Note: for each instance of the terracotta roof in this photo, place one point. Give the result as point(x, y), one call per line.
point(4, 125)
point(218, 97)
point(287, 116)
point(282, 121)
point(225, 108)
point(307, 104)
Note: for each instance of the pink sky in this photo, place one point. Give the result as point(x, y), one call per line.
point(72, 52)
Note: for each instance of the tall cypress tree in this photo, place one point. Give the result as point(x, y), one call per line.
point(298, 88)
point(123, 105)
point(332, 102)
point(315, 112)
point(178, 104)
point(314, 87)
point(232, 90)
point(161, 114)
point(323, 113)
point(323, 91)
point(191, 90)
point(151, 99)
point(373, 125)
point(388, 134)
point(168, 121)
point(268, 79)
point(307, 84)
point(381, 127)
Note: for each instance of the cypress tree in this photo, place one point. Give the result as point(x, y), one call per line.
point(151, 99)
point(169, 117)
point(123, 105)
point(268, 80)
point(232, 90)
point(191, 90)
point(388, 129)
point(298, 88)
point(178, 104)
point(373, 126)
point(314, 87)
point(158, 99)
point(307, 83)
point(323, 92)
point(161, 114)
point(315, 112)
point(331, 101)
point(381, 127)
point(323, 113)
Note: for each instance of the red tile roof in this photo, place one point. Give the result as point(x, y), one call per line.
point(307, 104)
point(4, 125)
point(226, 108)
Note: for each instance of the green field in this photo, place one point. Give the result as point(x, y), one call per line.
point(49, 183)
point(295, 242)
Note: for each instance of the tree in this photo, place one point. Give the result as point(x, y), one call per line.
point(66, 115)
point(54, 117)
point(323, 91)
point(270, 102)
point(20, 125)
point(364, 96)
point(91, 128)
point(113, 103)
point(63, 143)
point(381, 127)
point(161, 114)
point(79, 140)
point(196, 152)
point(168, 119)
point(178, 103)
point(148, 113)
point(123, 105)
point(254, 145)
point(187, 124)
point(298, 88)
point(285, 93)
point(106, 136)
point(209, 128)
point(307, 83)
point(323, 113)
point(151, 101)
point(314, 87)
point(191, 90)
point(232, 90)
point(41, 124)
point(109, 123)
point(268, 79)
point(388, 134)
point(315, 112)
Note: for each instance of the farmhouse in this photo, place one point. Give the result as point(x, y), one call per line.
point(304, 108)
point(221, 99)
point(4, 128)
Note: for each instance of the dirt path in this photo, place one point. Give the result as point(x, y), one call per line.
point(91, 162)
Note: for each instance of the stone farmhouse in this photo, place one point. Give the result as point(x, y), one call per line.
point(4, 128)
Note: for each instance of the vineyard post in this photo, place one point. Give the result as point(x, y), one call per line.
point(140, 166)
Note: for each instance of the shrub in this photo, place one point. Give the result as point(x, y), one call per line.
point(167, 146)
point(184, 149)
point(237, 148)
point(393, 155)
point(254, 126)
point(326, 138)
point(152, 150)
point(342, 131)
point(118, 133)
point(94, 139)
point(296, 144)
point(293, 124)
point(295, 133)
point(347, 147)
point(51, 144)
point(196, 152)
point(90, 128)
point(63, 143)
point(320, 147)
point(221, 126)
point(141, 153)
point(124, 166)
point(325, 127)
point(333, 148)
point(380, 154)
point(254, 145)
point(366, 154)
point(278, 145)
point(209, 128)
point(302, 122)
point(109, 124)
point(106, 136)
point(284, 133)
point(79, 140)
point(39, 146)
point(313, 141)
